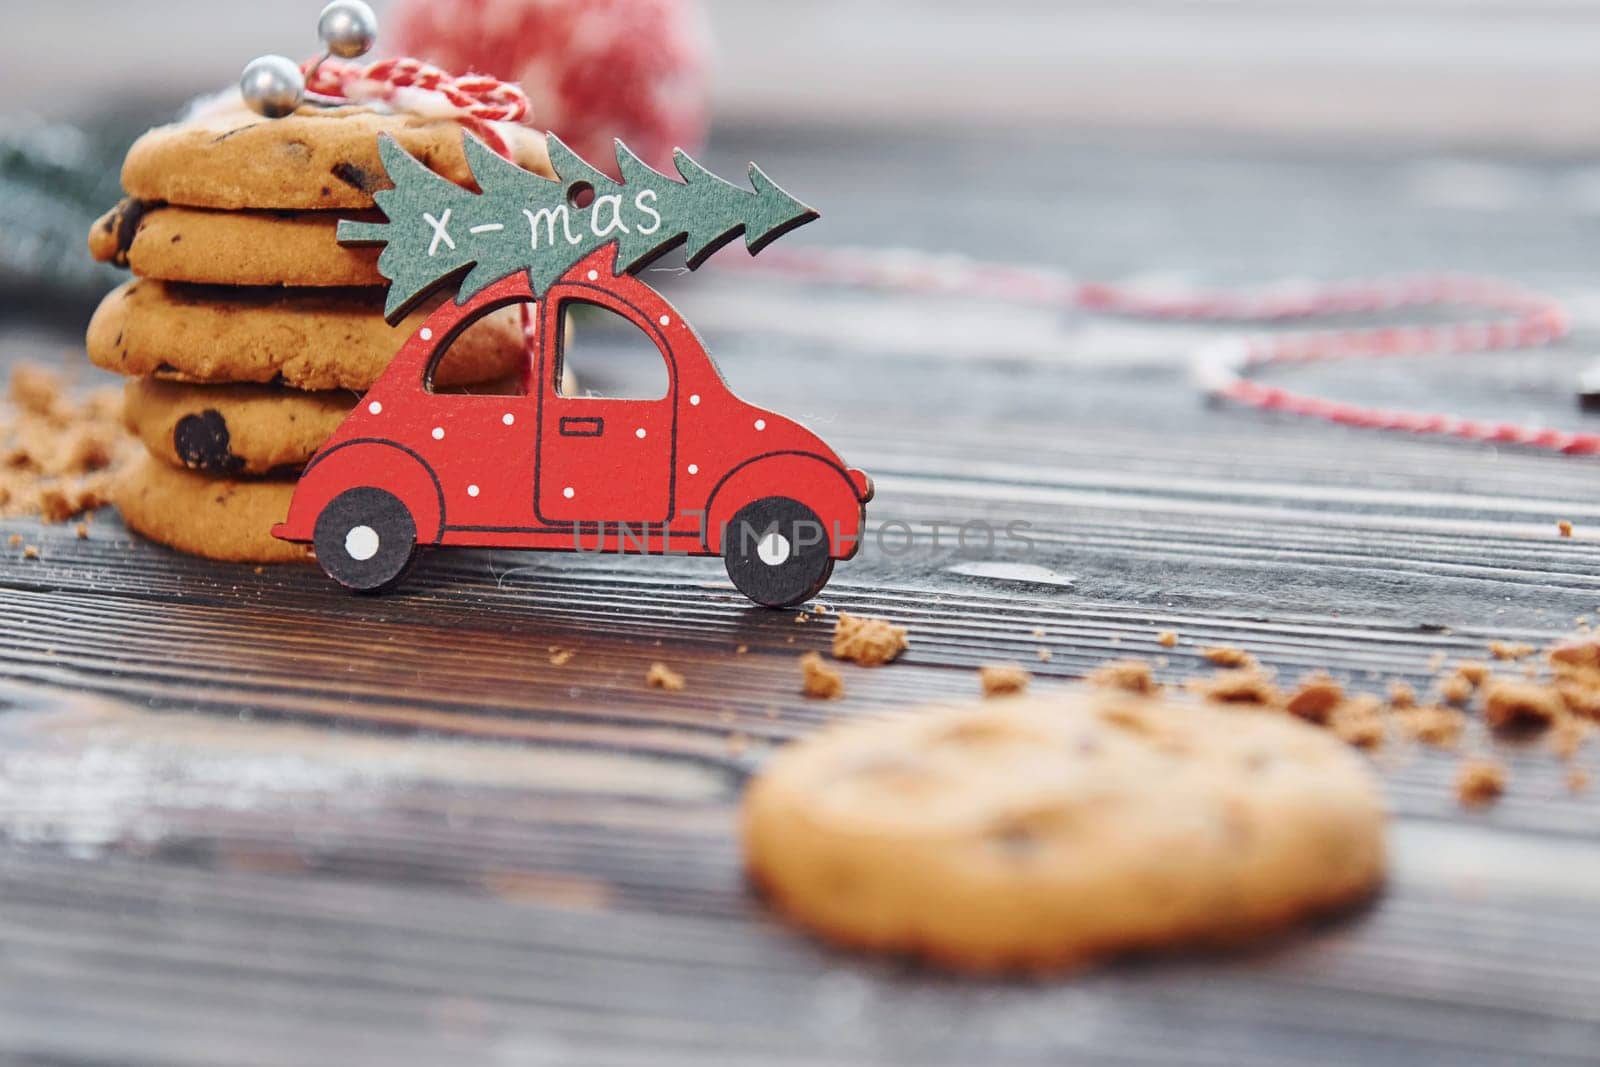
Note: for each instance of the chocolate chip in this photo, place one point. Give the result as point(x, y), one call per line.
point(124, 220)
point(1015, 837)
point(354, 177)
point(202, 442)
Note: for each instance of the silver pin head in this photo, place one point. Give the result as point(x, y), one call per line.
point(272, 86)
point(348, 28)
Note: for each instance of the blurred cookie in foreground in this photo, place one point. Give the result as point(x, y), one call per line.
point(1038, 834)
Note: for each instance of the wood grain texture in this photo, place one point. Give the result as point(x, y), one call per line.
point(247, 818)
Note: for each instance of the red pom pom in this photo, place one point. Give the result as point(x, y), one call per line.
point(593, 69)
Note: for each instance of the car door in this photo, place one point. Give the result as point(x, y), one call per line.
point(478, 441)
point(603, 458)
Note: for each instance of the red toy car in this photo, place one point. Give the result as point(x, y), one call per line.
point(697, 471)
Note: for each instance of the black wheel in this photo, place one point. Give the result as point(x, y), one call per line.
point(776, 550)
point(366, 540)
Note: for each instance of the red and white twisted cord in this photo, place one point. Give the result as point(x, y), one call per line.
point(407, 84)
point(1517, 318)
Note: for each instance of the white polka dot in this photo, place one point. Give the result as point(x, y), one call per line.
point(694, 399)
point(568, 493)
point(694, 468)
point(508, 418)
point(761, 424)
point(472, 490)
point(375, 407)
point(639, 433)
point(665, 319)
point(425, 333)
point(594, 275)
point(438, 433)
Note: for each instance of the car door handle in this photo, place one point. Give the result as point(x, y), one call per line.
point(584, 427)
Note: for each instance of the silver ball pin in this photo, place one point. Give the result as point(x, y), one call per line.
point(348, 28)
point(272, 86)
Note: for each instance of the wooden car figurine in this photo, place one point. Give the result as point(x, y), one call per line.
point(697, 471)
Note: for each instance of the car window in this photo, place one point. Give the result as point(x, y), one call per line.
point(491, 357)
point(608, 354)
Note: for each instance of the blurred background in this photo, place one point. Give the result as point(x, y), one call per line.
point(1508, 72)
point(1162, 143)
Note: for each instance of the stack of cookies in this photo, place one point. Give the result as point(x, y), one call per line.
point(248, 332)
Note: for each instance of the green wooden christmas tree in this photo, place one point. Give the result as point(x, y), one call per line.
point(437, 231)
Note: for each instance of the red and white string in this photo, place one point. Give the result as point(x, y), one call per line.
point(1517, 318)
point(476, 100)
point(1512, 317)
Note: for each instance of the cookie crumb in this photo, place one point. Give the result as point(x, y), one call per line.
point(1476, 672)
point(1227, 656)
point(741, 650)
point(866, 641)
point(30, 551)
point(1480, 781)
point(1044, 655)
point(1583, 652)
point(1568, 736)
point(1401, 695)
point(1002, 679)
point(1315, 697)
point(1167, 639)
point(14, 540)
point(57, 450)
point(1433, 724)
point(36, 390)
point(1511, 705)
point(661, 676)
point(1581, 693)
point(1564, 528)
point(1133, 675)
point(818, 680)
point(1359, 721)
point(82, 530)
point(562, 656)
point(1238, 685)
point(1510, 650)
point(1455, 689)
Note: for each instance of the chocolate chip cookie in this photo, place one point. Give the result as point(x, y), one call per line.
point(307, 339)
point(218, 518)
point(227, 156)
point(205, 247)
point(1040, 833)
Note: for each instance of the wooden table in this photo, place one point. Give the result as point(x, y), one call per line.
point(249, 819)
